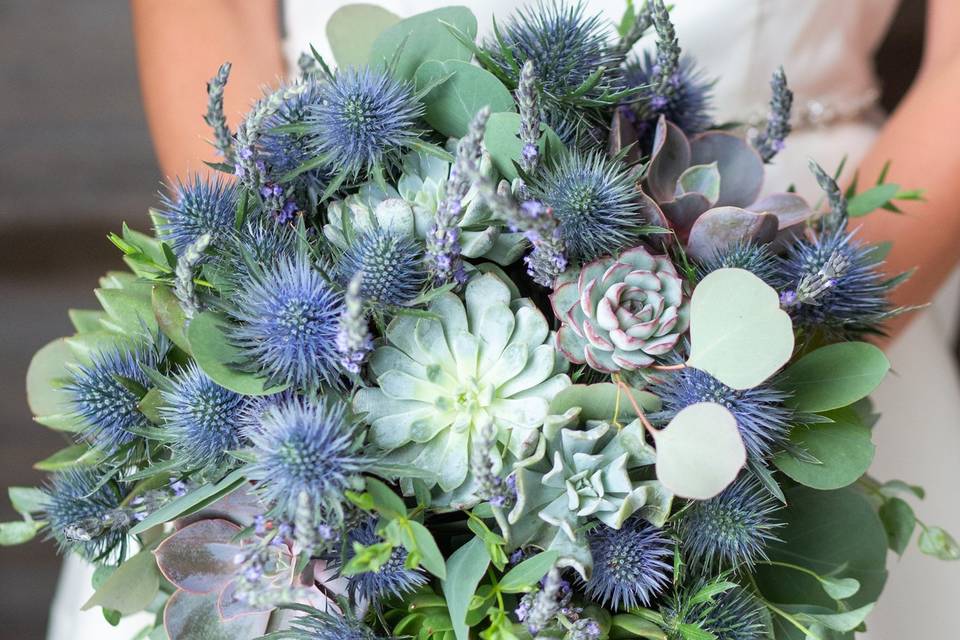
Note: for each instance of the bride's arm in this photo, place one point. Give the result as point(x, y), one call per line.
point(180, 45)
point(921, 140)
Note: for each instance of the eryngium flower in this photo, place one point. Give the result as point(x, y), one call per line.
point(762, 419)
point(363, 121)
point(202, 418)
point(106, 393)
point(594, 199)
point(287, 315)
point(392, 579)
point(566, 47)
point(631, 565)
point(284, 151)
point(833, 283)
point(731, 530)
point(196, 207)
point(258, 242)
point(620, 313)
point(391, 265)
point(688, 105)
point(750, 256)
point(319, 625)
point(734, 614)
point(83, 512)
point(307, 446)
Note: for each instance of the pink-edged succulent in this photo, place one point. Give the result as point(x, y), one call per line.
point(620, 313)
point(707, 190)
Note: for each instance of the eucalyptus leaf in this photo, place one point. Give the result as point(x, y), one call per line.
point(86, 320)
point(128, 312)
point(839, 588)
point(700, 452)
point(218, 358)
point(844, 452)
point(738, 332)
point(72, 456)
point(352, 30)
point(452, 105)
point(18, 532)
point(834, 376)
point(844, 621)
point(528, 573)
point(47, 370)
point(936, 542)
point(424, 37)
point(130, 588)
point(465, 568)
point(27, 500)
point(899, 522)
point(170, 317)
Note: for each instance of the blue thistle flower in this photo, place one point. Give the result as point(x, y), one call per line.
point(287, 315)
point(762, 418)
point(734, 614)
point(84, 513)
point(688, 105)
point(390, 580)
point(202, 418)
point(258, 242)
point(832, 283)
point(306, 446)
point(566, 47)
point(732, 529)
point(391, 266)
point(105, 394)
point(363, 121)
point(284, 151)
point(631, 565)
point(594, 200)
point(196, 207)
point(753, 257)
point(319, 625)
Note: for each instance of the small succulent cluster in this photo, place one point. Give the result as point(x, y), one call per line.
point(515, 349)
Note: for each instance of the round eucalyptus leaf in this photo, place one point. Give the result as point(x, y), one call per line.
point(424, 37)
point(502, 141)
point(129, 589)
point(170, 316)
point(738, 332)
point(128, 312)
point(844, 451)
point(467, 89)
point(219, 358)
point(700, 452)
point(352, 29)
point(45, 374)
point(834, 376)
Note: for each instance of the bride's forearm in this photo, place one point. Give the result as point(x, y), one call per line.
point(920, 139)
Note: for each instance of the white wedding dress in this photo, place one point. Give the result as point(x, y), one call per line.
point(826, 48)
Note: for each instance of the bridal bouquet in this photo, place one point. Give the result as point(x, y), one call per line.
point(490, 339)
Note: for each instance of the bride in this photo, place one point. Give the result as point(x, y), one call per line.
point(826, 48)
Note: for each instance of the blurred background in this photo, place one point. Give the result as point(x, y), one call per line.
point(75, 162)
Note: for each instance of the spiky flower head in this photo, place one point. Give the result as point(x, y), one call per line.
point(106, 392)
point(307, 446)
point(689, 103)
point(594, 199)
point(566, 47)
point(319, 625)
point(832, 283)
point(363, 121)
point(391, 266)
point(631, 565)
point(283, 151)
point(286, 316)
point(84, 512)
point(731, 530)
point(734, 614)
point(195, 207)
point(762, 418)
point(391, 580)
point(258, 242)
point(201, 417)
point(756, 258)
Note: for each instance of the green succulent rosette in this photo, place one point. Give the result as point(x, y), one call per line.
point(620, 313)
point(486, 359)
point(583, 473)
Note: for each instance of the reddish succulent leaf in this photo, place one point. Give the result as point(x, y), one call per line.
point(789, 208)
point(199, 557)
point(723, 227)
point(670, 157)
point(684, 211)
point(229, 607)
point(192, 616)
point(740, 166)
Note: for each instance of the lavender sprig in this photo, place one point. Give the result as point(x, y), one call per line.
point(354, 343)
point(837, 218)
point(492, 488)
point(528, 101)
point(184, 288)
point(665, 78)
point(443, 241)
point(641, 23)
point(771, 141)
point(222, 138)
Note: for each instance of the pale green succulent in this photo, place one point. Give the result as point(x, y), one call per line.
point(578, 474)
point(487, 360)
point(411, 207)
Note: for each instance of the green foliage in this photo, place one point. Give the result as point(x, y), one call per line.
point(129, 589)
point(192, 501)
point(899, 522)
point(352, 29)
point(465, 568)
point(504, 147)
point(463, 90)
point(834, 376)
point(18, 532)
point(843, 451)
point(411, 42)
